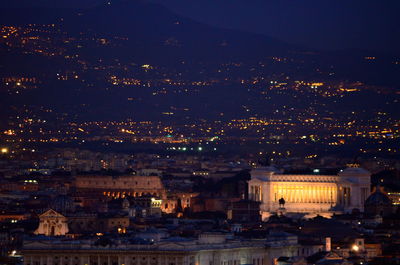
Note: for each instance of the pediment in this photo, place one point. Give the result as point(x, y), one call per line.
point(51, 214)
point(172, 245)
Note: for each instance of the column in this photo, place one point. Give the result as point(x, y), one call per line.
point(348, 197)
point(285, 192)
point(328, 194)
point(307, 194)
point(257, 193)
point(274, 193)
point(302, 193)
point(279, 193)
point(293, 193)
point(319, 191)
point(310, 194)
point(314, 194)
point(335, 194)
point(322, 194)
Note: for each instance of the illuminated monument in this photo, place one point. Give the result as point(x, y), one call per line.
point(121, 186)
point(309, 194)
point(52, 223)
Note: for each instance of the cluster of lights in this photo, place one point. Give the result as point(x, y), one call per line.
point(30, 181)
point(186, 148)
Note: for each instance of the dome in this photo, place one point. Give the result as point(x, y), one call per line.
point(62, 204)
point(378, 198)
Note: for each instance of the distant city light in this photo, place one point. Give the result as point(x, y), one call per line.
point(4, 150)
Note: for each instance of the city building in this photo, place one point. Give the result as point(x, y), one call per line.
point(209, 248)
point(52, 223)
point(121, 186)
point(378, 203)
point(309, 194)
point(244, 211)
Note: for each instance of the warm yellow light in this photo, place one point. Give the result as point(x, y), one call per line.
point(355, 248)
point(146, 66)
point(4, 150)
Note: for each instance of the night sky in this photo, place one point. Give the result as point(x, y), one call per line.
point(321, 24)
point(333, 24)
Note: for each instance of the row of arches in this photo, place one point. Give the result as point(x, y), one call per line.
point(123, 194)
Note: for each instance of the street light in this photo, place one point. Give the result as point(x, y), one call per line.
point(4, 150)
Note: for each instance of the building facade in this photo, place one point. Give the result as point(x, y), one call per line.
point(121, 186)
point(52, 223)
point(208, 249)
point(309, 194)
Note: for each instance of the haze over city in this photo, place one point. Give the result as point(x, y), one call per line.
point(199, 132)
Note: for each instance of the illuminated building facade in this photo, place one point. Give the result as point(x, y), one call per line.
point(122, 186)
point(146, 188)
point(309, 194)
point(52, 224)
